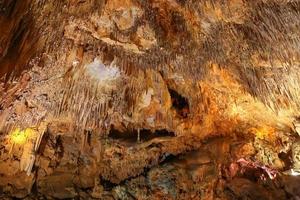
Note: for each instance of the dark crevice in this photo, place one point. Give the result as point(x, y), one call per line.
point(167, 158)
point(107, 185)
point(59, 147)
point(287, 159)
point(182, 2)
point(131, 136)
point(179, 103)
point(7, 7)
point(88, 137)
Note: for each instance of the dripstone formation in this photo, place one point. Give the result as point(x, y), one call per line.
point(149, 99)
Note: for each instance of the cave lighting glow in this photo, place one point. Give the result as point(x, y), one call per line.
point(19, 136)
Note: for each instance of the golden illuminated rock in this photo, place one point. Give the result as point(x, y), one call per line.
point(151, 99)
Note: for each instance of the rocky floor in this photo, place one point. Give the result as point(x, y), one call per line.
point(216, 168)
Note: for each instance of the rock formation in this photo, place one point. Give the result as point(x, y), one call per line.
point(149, 99)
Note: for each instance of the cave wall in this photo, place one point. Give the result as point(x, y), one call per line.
point(103, 92)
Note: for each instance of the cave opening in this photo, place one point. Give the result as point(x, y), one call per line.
point(179, 103)
point(107, 185)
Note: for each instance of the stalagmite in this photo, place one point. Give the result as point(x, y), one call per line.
point(28, 156)
point(30, 147)
point(138, 135)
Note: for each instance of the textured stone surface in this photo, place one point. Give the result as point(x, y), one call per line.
point(151, 99)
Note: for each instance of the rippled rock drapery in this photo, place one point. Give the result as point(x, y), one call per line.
point(151, 99)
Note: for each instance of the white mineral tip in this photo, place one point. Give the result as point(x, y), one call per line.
point(294, 173)
point(297, 128)
point(102, 73)
point(291, 172)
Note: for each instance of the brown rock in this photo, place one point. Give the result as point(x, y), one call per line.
point(146, 37)
point(58, 185)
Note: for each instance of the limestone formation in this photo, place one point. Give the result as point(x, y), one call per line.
point(149, 99)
